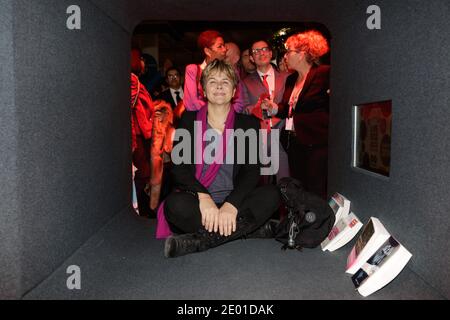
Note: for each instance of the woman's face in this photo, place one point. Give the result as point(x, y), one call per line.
point(292, 58)
point(219, 89)
point(217, 50)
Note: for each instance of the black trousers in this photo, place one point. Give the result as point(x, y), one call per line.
point(182, 209)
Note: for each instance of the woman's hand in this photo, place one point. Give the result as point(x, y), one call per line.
point(227, 219)
point(209, 211)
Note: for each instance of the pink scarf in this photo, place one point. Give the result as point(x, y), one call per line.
point(162, 227)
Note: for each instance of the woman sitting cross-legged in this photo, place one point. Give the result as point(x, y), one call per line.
point(218, 199)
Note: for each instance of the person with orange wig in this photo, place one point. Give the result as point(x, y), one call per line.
point(305, 106)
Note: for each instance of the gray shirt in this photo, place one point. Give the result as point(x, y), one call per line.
point(222, 186)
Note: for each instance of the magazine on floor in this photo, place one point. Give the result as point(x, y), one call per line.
point(340, 206)
point(343, 232)
point(381, 268)
point(374, 234)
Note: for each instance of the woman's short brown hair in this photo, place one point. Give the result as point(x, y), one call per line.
point(312, 42)
point(219, 66)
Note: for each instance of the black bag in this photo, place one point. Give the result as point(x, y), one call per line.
point(310, 218)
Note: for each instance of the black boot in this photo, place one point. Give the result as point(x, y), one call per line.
point(267, 231)
point(181, 245)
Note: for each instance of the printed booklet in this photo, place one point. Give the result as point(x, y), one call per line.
point(381, 268)
point(340, 206)
point(344, 230)
point(371, 238)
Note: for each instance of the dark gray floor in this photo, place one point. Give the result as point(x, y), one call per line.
point(124, 261)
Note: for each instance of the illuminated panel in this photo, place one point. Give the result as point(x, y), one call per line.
point(372, 137)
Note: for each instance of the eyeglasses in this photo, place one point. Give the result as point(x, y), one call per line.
point(289, 51)
point(259, 51)
point(173, 76)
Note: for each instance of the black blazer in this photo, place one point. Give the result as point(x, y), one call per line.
point(312, 109)
point(167, 97)
point(245, 176)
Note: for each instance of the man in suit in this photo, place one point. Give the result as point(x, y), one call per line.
point(266, 79)
point(174, 94)
point(266, 84)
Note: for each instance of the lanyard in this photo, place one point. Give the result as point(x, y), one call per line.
point(295, 95)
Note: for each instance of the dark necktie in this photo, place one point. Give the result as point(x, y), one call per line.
point(177, 93)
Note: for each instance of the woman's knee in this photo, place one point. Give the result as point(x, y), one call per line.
point(179, 205)
point(182, 212)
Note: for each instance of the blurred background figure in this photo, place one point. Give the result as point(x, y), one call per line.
point(175, 93)
point(247, 65)
point(150, 76)
point(162, 138)
point(233, 58)
point(168, 64)
point(142, 110)
point(159, 88)
point(233, 54)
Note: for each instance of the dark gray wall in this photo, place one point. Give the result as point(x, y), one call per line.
point(9, 204)
point(67, 129)
point(406, 61)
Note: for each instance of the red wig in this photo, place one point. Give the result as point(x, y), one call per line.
point(207, 38)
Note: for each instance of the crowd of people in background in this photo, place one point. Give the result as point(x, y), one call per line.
point(288, 91)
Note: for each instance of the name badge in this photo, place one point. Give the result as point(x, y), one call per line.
point(290, 124)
